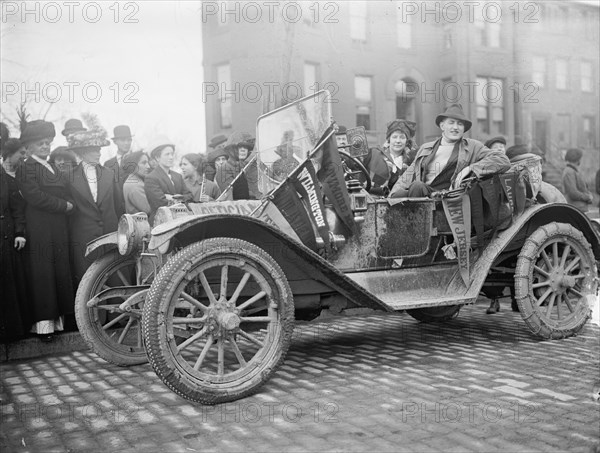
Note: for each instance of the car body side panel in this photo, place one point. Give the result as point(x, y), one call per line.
point(297, 261)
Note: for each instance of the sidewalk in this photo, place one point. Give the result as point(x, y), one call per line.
point(32, 347)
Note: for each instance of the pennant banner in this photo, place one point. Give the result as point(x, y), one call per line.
point(458, 213)
point(331, 176)
point(291, 207)
point(307, 186)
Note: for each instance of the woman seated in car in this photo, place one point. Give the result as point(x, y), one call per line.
point(387, 164)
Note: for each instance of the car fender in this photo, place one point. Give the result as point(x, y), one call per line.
point(107, 242)
point(293, 257)
point(531, 219)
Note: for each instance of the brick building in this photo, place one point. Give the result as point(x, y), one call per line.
point(528, 71)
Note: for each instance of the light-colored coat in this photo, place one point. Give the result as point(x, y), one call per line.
point(472, 153)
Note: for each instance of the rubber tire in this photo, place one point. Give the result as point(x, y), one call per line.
point(157, 302)
point(523, 293)
point(435, 314)
point(110, 351)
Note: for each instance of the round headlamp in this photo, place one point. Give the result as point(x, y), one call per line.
point(131, 232)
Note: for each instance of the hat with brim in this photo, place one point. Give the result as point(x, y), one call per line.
point(37, 130)
point(408, 128)
point(154, 149)
point(239, 138)
point(217, 140)
point(341, 130)
point(213, 155)
point(73, 125)
point(122, 131)
point(455, 111)
point(498, 139)
point(81, 142)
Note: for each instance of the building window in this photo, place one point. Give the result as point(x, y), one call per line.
point(225, 98)
point(490, 105)
point(538, 74)
point(311, 85)
point(562, 74)
point(563, 128)
point(487, 33)
point(586, 77)
point(405, 28)
point(363, 94)
point(589, 131)
point(358, 20)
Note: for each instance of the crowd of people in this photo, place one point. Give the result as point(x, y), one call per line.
point(54, 202)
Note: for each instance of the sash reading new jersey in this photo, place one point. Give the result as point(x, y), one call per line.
point(458, 213)
point(306, 185)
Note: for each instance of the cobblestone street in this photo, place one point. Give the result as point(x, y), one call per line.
point(379, 382)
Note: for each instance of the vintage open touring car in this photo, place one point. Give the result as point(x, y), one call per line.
point(209, 295)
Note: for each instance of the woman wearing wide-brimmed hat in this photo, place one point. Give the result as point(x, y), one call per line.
point(46, 192)
point(387, 164)
point(96, 195)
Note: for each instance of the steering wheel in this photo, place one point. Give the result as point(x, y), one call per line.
point(352, 166)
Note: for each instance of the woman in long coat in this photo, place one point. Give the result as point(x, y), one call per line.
point(48, 201)
point(95, 192)
point(14, 312)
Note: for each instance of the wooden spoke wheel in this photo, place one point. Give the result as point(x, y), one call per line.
point(435, 314)
point(111, 332)
point(218, 320)
point(555, 274)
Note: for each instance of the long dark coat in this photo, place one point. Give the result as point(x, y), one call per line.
point(14, 311)
point(47, 249)
point(91, 219)
point(120, 176)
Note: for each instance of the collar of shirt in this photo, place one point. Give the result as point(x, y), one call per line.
point(44, 163)
point(91, 176)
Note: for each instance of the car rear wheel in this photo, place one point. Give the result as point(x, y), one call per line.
point(218, 320)
point(554, 277)
point(435, 314)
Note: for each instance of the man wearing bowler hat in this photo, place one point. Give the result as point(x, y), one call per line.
point(217, 142)
point(122, 138)
point(447, 161)
point(73, 125)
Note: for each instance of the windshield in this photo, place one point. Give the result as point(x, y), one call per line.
point(285, 136)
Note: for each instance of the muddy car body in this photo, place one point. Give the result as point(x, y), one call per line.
point(216, 287)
